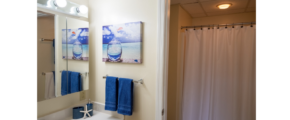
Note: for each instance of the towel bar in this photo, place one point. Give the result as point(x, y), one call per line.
point(135, 81)
point(43, 73)
point(81, 73)
point(42, 39)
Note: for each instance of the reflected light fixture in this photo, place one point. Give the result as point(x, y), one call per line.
point(82, 9)
point(60, 3)
point(73, 10)
point(224, 6)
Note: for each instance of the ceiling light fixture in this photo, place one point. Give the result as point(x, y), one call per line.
point(224, 6)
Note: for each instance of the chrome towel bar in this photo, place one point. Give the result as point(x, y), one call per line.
point(135, 81)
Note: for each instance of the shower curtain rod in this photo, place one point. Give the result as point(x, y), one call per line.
point(212, 25)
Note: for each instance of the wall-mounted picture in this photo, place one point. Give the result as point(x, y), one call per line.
point(77, 44)
point(122, 43)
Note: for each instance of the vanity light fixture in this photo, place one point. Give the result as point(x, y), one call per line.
point(224, 6)
point(73, 10)
point(82, 9)
point(60, 3)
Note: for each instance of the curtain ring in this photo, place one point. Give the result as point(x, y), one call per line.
point(194, 28)
point(218, 26)
point(208, 27)
point(200, 27)
point(226, 26)
point(242, 25)
point(213, 26)
point(251, 24)
point(233, 25)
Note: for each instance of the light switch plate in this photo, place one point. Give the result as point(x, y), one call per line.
point(82, 95)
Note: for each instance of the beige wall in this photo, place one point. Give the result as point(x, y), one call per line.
point(108, 12)
point(225, 19)
point(45, 58)
point(178, 17)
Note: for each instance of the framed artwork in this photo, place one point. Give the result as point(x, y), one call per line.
point(122, 43)
point(77, 44)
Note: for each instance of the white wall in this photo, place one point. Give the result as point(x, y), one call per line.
point(108, 12)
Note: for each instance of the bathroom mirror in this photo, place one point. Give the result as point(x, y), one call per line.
point(62, 55)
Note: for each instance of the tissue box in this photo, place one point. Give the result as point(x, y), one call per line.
point(76, 112)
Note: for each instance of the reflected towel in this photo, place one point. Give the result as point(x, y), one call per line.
point(53, 42)
point(65, 82)
point(111, 93)
point(75, 82)
point(125, 96)
point(54, 82)
point(49, 86)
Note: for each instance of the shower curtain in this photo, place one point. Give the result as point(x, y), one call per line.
point(219, 74)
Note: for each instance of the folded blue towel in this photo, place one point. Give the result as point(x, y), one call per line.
point(65, 82)
point(75, 82)
point(111, 93)
point(125, 96)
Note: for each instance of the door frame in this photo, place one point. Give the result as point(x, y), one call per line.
point(162, 59)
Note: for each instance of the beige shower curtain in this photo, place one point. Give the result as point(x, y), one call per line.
point(219, 74)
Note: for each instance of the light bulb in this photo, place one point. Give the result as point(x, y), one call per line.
point(82, 9)
point(48, 3)
point(224, 6)
point(60, 3)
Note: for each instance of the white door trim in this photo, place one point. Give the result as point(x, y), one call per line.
point(162, 59)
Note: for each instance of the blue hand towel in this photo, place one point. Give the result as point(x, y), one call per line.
point(75, 82)
point(111, 93)
point(65, 82)
point(125, 96)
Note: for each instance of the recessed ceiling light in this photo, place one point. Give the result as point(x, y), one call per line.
point(224, 6)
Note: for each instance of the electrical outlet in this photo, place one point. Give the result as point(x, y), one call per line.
point(82, 95)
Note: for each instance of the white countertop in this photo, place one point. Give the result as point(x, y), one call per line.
point(98, 116)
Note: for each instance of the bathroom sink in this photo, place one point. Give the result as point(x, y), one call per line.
point(98, 116)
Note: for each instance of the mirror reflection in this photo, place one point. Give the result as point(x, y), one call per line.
point(62, 55)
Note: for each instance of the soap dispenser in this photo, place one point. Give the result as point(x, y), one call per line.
point(90, 107)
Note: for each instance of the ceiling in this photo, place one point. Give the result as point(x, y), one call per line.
point(205, 8)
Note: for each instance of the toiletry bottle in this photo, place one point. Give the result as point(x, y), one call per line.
point(90, 107)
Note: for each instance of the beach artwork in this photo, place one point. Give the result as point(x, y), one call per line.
point(76, 47)
point(122, 43)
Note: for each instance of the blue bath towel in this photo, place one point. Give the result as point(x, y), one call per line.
point(75, 82)
point(65, 82)
point(111, 93)
point(125, 96)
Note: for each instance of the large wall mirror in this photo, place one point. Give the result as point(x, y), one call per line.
point(62, 55)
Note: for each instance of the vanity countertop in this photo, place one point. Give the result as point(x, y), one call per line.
point(98, 116)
